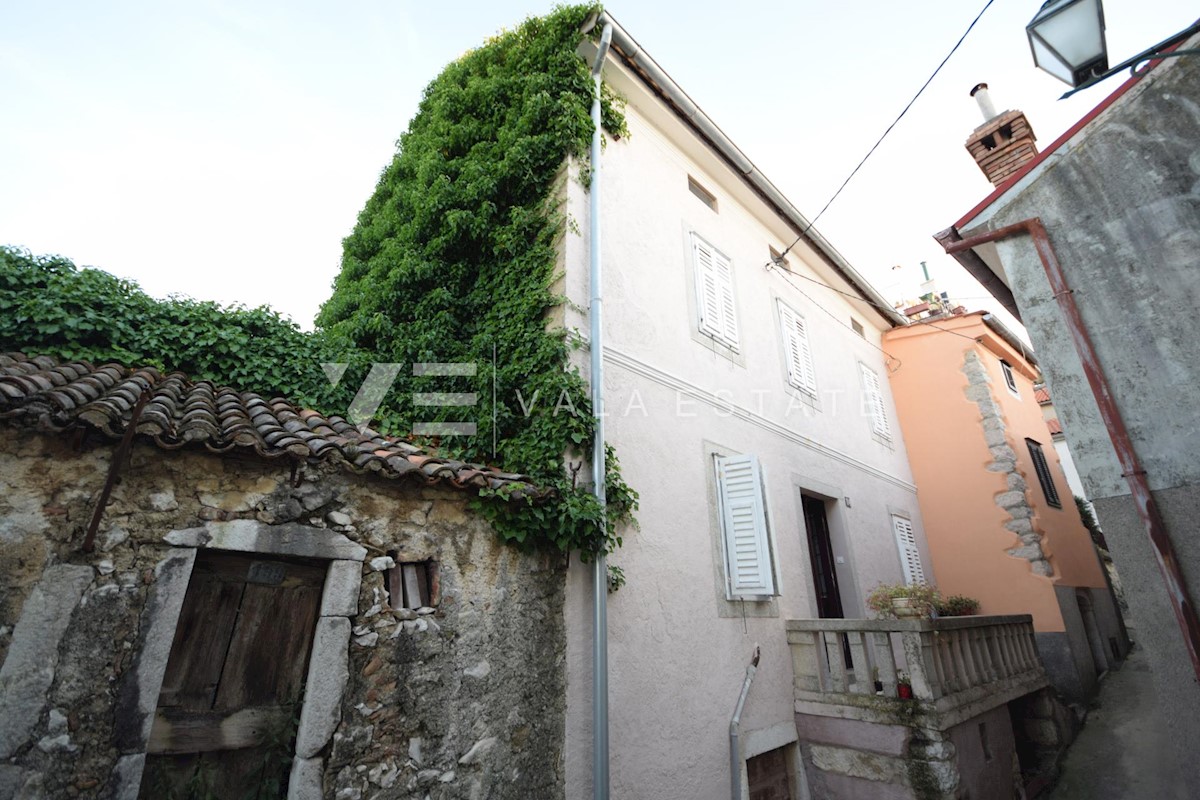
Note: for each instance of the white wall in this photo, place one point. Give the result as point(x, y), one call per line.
point(678, 649)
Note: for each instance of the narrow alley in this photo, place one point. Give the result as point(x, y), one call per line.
point(1123, 752)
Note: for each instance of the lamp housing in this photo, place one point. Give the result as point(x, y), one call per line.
point(1067, 40)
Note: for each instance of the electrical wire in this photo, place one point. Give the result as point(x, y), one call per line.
point(875, 146)
point(788, 275)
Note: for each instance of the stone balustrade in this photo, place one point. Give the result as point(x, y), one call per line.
point(948, 662)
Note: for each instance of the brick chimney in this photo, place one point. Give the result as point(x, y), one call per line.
point(1003, 143)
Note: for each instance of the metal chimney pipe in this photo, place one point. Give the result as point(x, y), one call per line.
point(980, 93)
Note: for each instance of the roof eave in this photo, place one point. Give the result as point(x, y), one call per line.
point(660, 83)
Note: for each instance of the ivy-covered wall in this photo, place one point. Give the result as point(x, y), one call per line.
point(452, 260)
point(49, 306)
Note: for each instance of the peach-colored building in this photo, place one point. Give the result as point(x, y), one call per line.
point(1000, 517)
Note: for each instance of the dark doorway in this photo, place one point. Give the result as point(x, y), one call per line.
point(820, 550)
point(226, 719)
point(768, 775)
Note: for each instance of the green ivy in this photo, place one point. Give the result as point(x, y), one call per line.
point(49, 306)
point(454, 258)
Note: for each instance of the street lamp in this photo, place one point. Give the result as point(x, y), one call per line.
point(1067, 39)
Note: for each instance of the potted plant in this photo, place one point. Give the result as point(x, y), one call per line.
point(903, 686)
point(899, 600)
point(957, 605)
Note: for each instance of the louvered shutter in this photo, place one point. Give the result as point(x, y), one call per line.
point(714, 291)
point(874, 398)
point(744, 523)
point(799, 355)
point(910, 557)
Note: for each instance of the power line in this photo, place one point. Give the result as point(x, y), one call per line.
point(788, 275)
point(889, 129)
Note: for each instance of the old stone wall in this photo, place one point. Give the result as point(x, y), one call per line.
point(462, 700)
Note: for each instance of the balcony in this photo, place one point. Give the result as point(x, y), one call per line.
point(957, 666)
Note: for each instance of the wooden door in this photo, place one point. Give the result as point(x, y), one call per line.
point(820, 551)
point(230, 700)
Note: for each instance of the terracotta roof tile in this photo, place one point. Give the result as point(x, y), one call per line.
point(42, 393)
point(1041, 395)
point(1055, 426)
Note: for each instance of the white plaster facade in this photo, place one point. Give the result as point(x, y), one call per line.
point(678, 649)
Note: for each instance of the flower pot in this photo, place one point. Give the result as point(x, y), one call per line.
point(904, 691)
point(903, 608)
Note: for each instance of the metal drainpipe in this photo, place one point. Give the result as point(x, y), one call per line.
point(735, 755)
point(600, 563)
point(1134, 474)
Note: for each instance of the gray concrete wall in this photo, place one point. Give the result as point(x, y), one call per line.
point(984, 747)
point(1121, 203)
point(465, 700)
point(1061, 660)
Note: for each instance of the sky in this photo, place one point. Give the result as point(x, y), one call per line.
point(222, 150)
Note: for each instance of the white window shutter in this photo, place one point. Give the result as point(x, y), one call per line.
point(910, 557)
point(874, 397)
point(728, 312)
point(744, 523)
point(799, 354)
point(714, 293)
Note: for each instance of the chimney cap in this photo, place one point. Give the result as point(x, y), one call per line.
point(979, 86)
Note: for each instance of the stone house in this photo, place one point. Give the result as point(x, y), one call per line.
point(1093, 245)
point(272, 598)
point(747, 396)
point(999, 514)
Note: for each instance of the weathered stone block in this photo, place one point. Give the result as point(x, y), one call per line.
point(1010, 499)
point(126, 779)
point(32, 657)
point(137, 695)
point(889, 740)
point(340, 595)
point(857, 764)
point(328, 673)
point(252, 536)
point(305, 780)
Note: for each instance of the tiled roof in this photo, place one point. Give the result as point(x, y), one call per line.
point(1041, 395)
point(40, 392)
point(1055, 426)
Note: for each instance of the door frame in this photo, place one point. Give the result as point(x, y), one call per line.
point(329, 659)
point(837, 506)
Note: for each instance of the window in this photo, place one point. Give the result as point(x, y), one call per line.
point(1043, 472)
point(412, 584)
point(873, 402)
point(857, 327)
point(796, 346)
point(1009, 379)
point(714, 290)
point(910, 557)
point(749, 572)
point(706, 197)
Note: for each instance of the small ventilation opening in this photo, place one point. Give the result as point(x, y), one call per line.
point(413, 584)
point(706, 197)
point(858, 328)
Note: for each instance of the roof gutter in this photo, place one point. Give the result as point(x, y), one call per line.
point(685, 108)
point(1010, 338)
point(980, 271)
